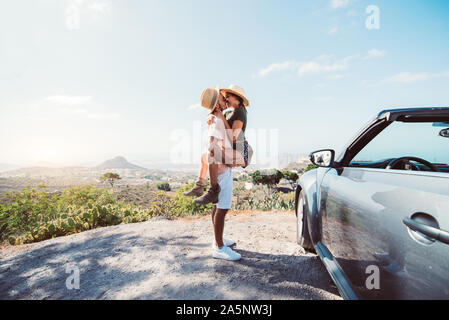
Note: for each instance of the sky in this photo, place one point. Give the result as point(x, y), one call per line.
point(82, 81)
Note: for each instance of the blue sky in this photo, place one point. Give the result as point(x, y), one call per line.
point(82, 81)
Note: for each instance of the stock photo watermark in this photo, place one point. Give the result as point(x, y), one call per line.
point(373, 280)
point(373, 20)
point(187, 146)
point(73, 280)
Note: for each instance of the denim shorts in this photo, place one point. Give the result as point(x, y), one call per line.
point(225, 182)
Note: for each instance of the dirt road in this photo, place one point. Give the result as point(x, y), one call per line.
point(163, 259)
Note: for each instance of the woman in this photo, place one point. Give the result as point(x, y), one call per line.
point(235, 124)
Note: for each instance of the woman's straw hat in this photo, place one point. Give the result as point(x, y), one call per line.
point(238, 92)
point(209, 98)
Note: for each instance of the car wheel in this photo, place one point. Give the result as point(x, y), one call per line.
point(302, 229)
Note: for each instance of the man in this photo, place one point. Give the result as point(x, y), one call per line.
point(217, 141)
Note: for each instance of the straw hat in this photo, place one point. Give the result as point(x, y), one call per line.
point(209, 98)
point(238, 92)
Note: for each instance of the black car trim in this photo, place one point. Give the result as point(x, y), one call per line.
point(336, 272)
point(364, 138)
point(393, 114)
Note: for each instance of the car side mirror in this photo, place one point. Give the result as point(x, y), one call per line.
point(323, 158)
point(444, 133)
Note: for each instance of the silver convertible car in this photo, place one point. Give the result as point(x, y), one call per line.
point(378, 214)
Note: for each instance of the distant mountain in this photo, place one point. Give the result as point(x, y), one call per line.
point(118, 163)
point(34, 172)
point(7, 167)
point(297, 166)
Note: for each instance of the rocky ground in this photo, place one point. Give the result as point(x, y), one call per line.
point(163, 259)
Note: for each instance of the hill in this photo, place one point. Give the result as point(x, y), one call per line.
point(47, 172)
point(7, 167)
point(297, 166)
point(118, 163)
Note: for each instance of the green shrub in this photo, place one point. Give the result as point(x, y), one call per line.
point(185, 205)
point(291, 177)
point(164, 186)
point(310, 167)
point(32, 215)
point(163, 205)
point(110, 178)
point(258, 199)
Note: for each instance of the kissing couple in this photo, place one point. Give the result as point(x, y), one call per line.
point(226, 148)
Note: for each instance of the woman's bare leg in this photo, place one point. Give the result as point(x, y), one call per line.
point(204, 166)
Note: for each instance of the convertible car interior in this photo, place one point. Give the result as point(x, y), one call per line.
point(409, 143)
point(404, 165)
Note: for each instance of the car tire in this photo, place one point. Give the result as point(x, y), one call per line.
point(302, 228)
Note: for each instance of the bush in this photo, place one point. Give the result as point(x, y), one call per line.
point(35, 215)
point(185, 205)
point(164, 186)
point(270, 178)
point(110, 178)
point(310, 167)
point(291, 177)
point(163, 205)
point(257, 199)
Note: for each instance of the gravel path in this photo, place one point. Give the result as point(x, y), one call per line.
point(162, 259)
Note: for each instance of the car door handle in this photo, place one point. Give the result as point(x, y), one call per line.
point(434, 233)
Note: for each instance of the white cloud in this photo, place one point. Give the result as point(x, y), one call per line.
point(75, 8)
point(103, 116)
point(333, 31)
point(99, 9)
point(77, 105)
point(335, 76)
point(194, 106)
point(325, 64)
point(73, 15)
point(283, 66)
point(408, 77)
point(68, 100)
point(375, 53)
point(320, 65)
point(339, 3)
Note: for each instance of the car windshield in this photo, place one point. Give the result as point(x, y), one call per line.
point(401, 139)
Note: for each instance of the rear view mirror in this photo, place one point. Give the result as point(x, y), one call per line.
point(444, 133)
point(323, 158)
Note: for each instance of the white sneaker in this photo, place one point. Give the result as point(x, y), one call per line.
point(226, 253)
point(226, 242)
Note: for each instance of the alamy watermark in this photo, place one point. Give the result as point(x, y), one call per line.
point(73, 280)
point(189, 145)
point(373, 280)
point(373, 20)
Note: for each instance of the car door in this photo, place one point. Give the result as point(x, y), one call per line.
point(363, 212)
point(366, 218)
